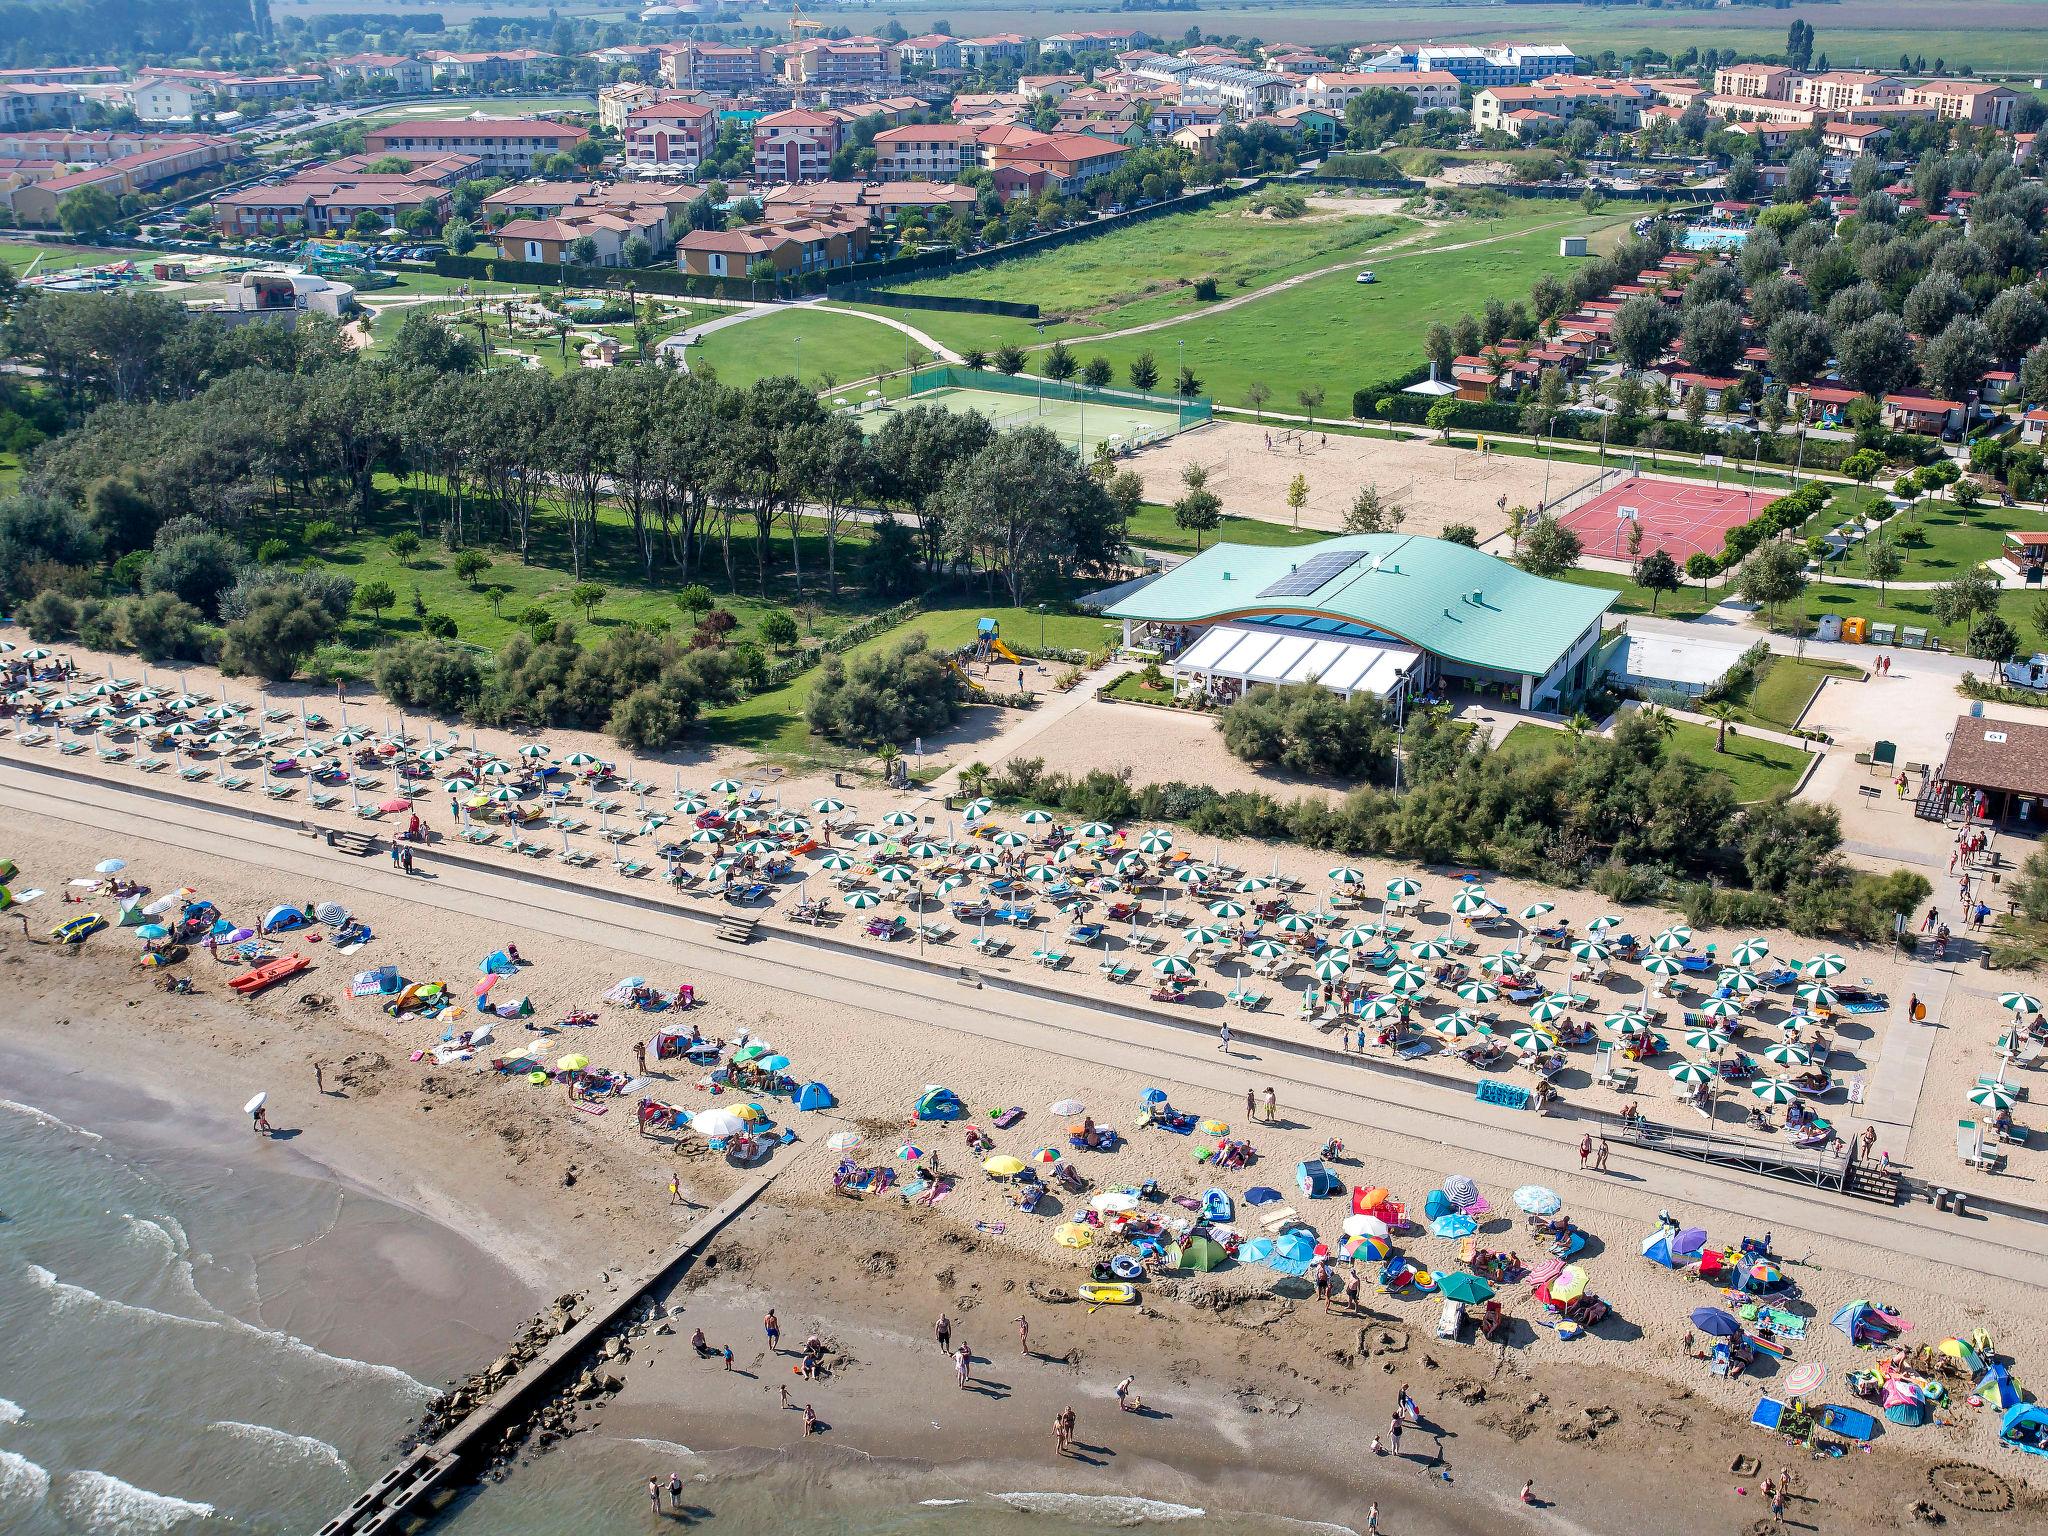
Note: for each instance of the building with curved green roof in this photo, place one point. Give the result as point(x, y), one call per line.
point(1376, 612)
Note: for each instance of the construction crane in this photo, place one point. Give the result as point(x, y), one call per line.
point(799, 23)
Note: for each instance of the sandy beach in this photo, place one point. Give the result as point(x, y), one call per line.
point(1246, 1371)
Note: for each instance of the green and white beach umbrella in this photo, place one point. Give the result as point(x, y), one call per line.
point(1173, 965)
point(1738, 981)
point(705, 835)
point(533, 751)
point(1662, 965)
point(792, 826)
point(491, 770)
point(1379, 1008)
point(1330, 967)
point(1537, 909)
point(1155, 842)
point(1817, 995)
point(868, 837)
point(1044, 874)
point(896, 874)
point(1131, 864)
point(759, 847)
point(1476, 991)
point(1603, 922)
point(976, 809)
point(1009, 839)
point(1358, 938)
point(726, 786)
point(1692, 1073)
point(1251, 884)
point(1544, 1009)
point(860, 901)
point(1774, 1090)
point(1227, 910)
point(457, 785)
point(926, 849)
point(1456, 1025)
point(1533, 1040)
point(1506, 961)
point(1203, 938)
point(1786, 1054)
point(827, 806)
point(1344, 874)
point(1590, 949)
point(1749, 951)
point(688, 804)
point(582, 760)
point(1992, 1096)
point(1407, 978)
point(1706, 1040)
point(1821, 967)
point(1295, 922)
point(1430, 949)
point(980, 863)
point(1094, 829)
point(1721, 1008)
point(904, 819)
point(1265, 949)
point(835, 862)
point(1471, 899)
point(2018, 1002)
point(1400, 888)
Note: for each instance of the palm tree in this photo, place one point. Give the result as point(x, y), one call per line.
point(974, 779)
point(1658, 722)
point(888, 755)
point(1578, 725)
point(1724, 715)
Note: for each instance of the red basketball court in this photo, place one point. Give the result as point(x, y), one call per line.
point(1680, 517)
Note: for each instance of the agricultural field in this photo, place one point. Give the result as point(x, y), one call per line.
point(1998, 34)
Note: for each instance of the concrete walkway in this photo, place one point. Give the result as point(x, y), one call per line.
point(930, 343)
point(1434, 1129)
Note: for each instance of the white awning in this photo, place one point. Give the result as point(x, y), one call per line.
point(1260, 654)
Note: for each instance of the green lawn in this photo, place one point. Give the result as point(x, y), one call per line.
point(1940, 540)
point(1916, 609)
point(1756, 769)
point(1225, 241)
point(1786, 688)
point(18, 254)
point(843, 348)
point(433, 282)
point(1154, 528)
point(465, 106)
point(10, 471)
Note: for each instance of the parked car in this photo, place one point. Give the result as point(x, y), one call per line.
point(1367, 277)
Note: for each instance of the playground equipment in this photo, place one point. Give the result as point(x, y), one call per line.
point(347, 259)
point(989, 643)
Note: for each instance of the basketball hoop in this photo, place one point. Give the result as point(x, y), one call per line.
point(1628, 514)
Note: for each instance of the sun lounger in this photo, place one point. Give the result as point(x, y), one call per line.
point(324, 800)
point(72, 748)
point(1051, 959)
point(1970, 1147)
point(192, 773)
point(234, 781)
point(151, 764)
point(991, 944)
point(35, 736)
point(580, 858)
point(1117, 971)
point(280, 791)
point(1248, 1000)
point(477, 835)
point(368, 812)
point(631, 868)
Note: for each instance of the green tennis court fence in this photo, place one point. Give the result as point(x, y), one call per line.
point(1186, 412)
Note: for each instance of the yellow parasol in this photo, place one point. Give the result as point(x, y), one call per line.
point(1073, 1235)
point(1002, 1165)
point(572, 1063)
point(1569, 1285)
point(750, 1112)
point(1214, 1128)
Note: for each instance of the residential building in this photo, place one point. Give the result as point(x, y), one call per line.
point(1976, 102)
point(156, 88)
point(496, 66)
point(878, 205)
point(1313, 125)
point(716, 67)
point(1334, 90)
point(47, 180)
point(31, 103)
point(1840, 88)
point(811, 243)
point(506, 146)
point(169, 101)
point(614, 102)
point(1509, 64)
point(400, 71)
point(1067, 161)
point(935, 50)
point(563, 199)
point(1098, 39)
point(1561, 98)
point(1242, 92)
point(795, 146)
point(987, 52)
point(63, 74)
point(1767, 82)
point(926, 152)
point(854, 63)
point(1852, 138)
point(669, 133)
point(327, 199)
point(1056, 87)
point(608, 229)
point(1911, 411)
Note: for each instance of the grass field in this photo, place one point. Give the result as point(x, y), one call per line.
point(1154, 528)
point(1225, 241)
point(1788, 685)
point(19, 254)
point(1940, 541)
point(1078, 424)
point(1333, 334)
point(493, 106)
point(834, 348)
point(1755, 769)
point(2001, 34)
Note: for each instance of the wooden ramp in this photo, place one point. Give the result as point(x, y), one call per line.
point(736, 928)
point(361, 844)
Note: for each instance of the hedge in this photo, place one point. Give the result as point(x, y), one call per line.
point(874, 624)
point(952, 304)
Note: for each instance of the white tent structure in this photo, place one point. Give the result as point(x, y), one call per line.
point(1250, 654)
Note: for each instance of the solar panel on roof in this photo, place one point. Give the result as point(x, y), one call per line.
point(1314, 573)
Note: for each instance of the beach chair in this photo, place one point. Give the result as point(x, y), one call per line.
point(324, 800)
point(192, 773)
point(1970, 1148)
point(477, 835)
point(36, 736)
point(580, 858)
point(72, 748)
point(368, 811)
point(280, 791)
point(632, 869)
point(1051, 959)
point(151, 764)
point(234, 781)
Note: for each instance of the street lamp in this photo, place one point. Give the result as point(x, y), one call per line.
point(1041, 626)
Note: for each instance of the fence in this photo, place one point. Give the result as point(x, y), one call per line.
point(1186, 412)
point(949, 303)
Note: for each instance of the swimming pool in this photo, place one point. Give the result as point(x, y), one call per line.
point(584, 306)
point(1707, 237)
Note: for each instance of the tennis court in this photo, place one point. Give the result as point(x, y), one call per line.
point(1078, 416)
point(1680, 517)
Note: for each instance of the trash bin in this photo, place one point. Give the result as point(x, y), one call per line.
point(1940, 1198)
point(1958, 1206)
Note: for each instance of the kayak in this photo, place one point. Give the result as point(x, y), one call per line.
point(268, 974)
point(78, 929)
point(1105, 1294)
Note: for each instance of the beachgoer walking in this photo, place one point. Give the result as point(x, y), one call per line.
point(1600, 1157)
point(1223, 1038)
point(1024, 1334)
point(963, 1365)
point(784, 1390)
point(1372, 1521)
point(1585, 1150)
point(319, 1082)
point(654, 1496)
point(727, 1352)
point(640, 1057)
point(1251, 1104)
point(1529, 1491)
point(675, 1491)
point(1272, 1104)
point(675, 1189)
point(1406, 1404)
point(773, 1328)
point(1869, 1139)
point(1059, 1433)
point(942, 1330)
point(262, 1121)
point(405, 860)
point(1126, 1399)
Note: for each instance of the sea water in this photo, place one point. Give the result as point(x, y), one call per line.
point(198, 1331)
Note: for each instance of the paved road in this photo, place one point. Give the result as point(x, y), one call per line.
point(1438, 1130)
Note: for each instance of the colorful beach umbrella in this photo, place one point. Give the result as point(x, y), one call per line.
point(1172, 965)
point(1471, 900)
point(1476, 991)
point(1821, 967)
point(1330, 967)
point(1774, 1090)
point(1400, 888)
